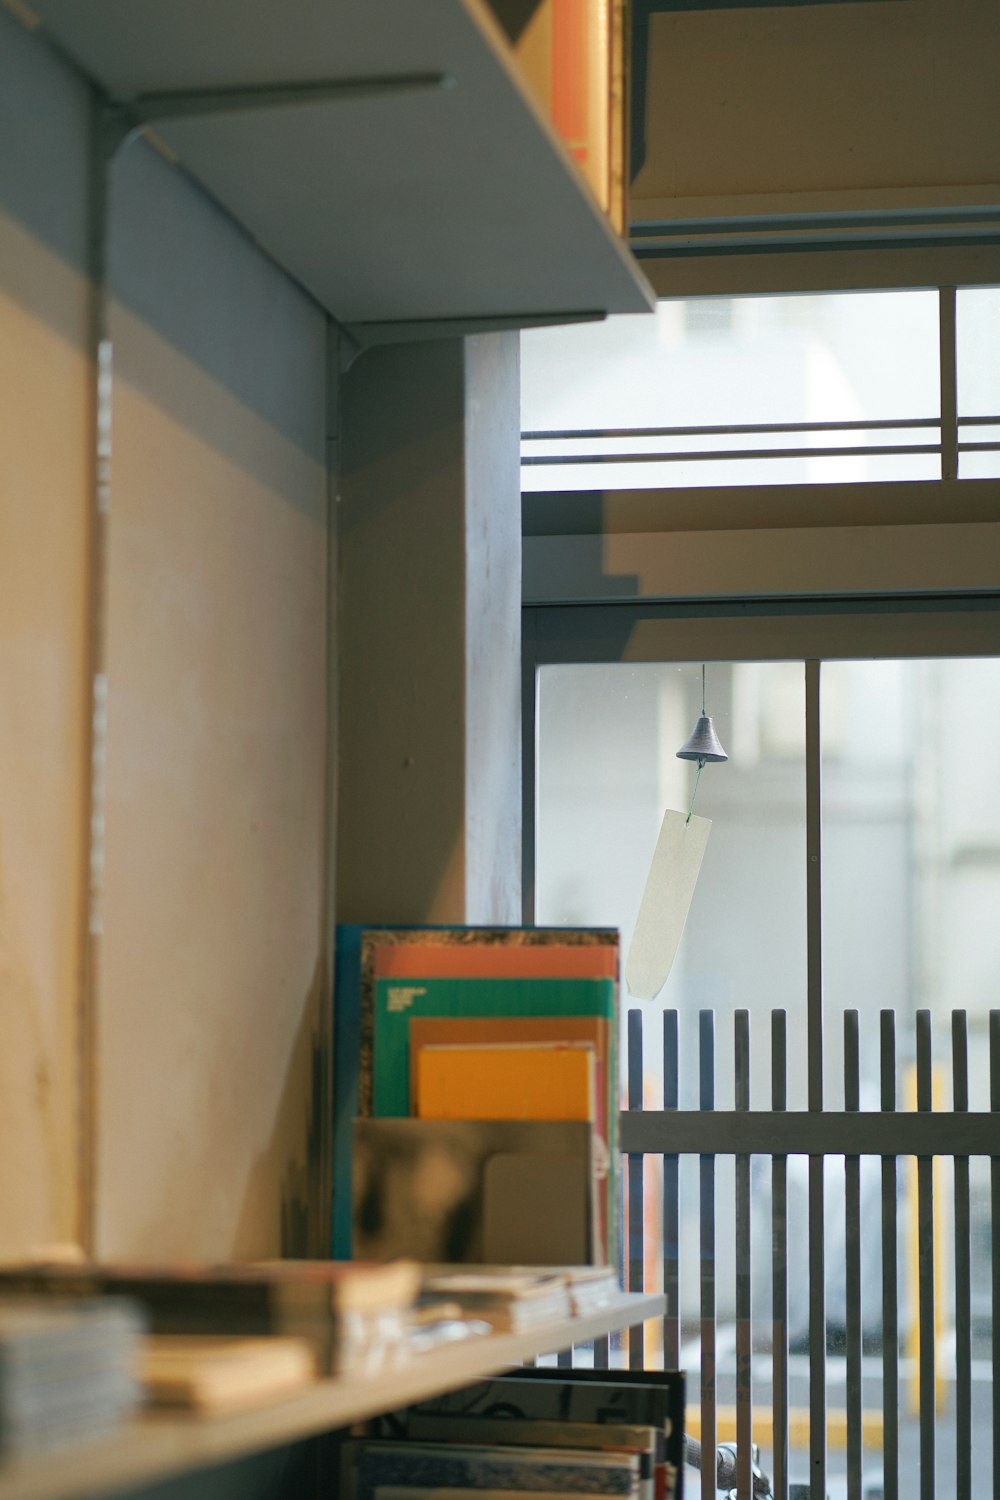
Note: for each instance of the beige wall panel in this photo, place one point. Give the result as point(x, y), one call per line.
point(771, 563)
point(211, 948)
point(797, 99)
point(211, 955)
point(43, 506)
point(44, 490)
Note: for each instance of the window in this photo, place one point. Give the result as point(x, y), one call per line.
point(896, 797)
point(833, 388)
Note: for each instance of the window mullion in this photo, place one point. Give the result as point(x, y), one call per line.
point(949, 382)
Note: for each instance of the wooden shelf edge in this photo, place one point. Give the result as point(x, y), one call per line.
point(156, 1447)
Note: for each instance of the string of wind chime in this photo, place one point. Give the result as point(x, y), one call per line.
point(673, 873)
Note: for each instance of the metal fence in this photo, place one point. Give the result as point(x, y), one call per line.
point(890, 1135)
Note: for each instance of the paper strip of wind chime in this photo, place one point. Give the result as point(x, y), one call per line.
point(673, 873)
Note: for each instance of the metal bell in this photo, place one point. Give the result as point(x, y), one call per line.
point(703, 743)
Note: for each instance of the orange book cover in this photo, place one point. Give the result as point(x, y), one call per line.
point(437, 960)
point(492, 1030)
point(513, 1081)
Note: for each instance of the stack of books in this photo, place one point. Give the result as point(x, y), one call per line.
point(351, 1317)
point(535, 1432)
point(207, 1372)
point(68, 1371)
point(513, 1298)
point(509, 1301)
point(483, 1103)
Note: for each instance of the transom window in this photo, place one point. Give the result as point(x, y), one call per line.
point(839, 387)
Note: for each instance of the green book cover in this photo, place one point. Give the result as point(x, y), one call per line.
point(397, 1000)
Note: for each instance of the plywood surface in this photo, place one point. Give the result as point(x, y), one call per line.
point(157, 1447)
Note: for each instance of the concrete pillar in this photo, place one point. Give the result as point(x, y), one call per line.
point(429, 825)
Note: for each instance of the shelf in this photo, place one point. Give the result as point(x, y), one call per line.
point(387, 154)
point(157, 1447)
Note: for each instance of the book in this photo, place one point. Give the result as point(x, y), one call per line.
point(67, 1370)
point(574, 61)
point(506, 1081)
point(453, 1492)
point(481, 951)
point(493, 959)
point(342, 1309)
point(553, 1394)
point(481, 1030)
point(506, 1431)
point(398, 1001)
point(595, 1030)
point(368, 1465)
point(211, 1373)
point(646, 1413)
point(510, 1300)
point(612, 1395)
point(517, 1191)
point(589, 1287)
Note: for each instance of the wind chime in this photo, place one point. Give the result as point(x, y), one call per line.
point(702, 744)
point(673, 872)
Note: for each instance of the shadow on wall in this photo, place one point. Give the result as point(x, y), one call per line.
point(157, 250)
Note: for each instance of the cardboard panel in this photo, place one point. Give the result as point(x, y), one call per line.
point(44, 494)
point(795, 99)
point(217, 666)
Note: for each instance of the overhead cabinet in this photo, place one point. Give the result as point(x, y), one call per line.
point(387, 153)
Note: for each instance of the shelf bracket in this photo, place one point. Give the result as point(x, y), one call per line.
point(183, 104)
point(362, 336)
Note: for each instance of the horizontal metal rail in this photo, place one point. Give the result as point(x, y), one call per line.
point(734, 429)
point(876, 450)
point(880, 218)
point(810, 1133)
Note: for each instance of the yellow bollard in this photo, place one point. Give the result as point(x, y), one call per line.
point(912, 1346)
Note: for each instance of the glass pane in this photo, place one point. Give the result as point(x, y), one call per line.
point(911, 856)
point(607, 770)
point(836, 357)
point(681, 474)
point(983, 464)
point(979, 465)
point(978, 352)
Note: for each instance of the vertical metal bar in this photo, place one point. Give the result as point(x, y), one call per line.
point(925, 1265)
point(779, 1263)
point(814, 888)
point(706, 1168)
point(814, 974)
point(744, 1350)
point(994, 1243)
point(890, 1304)
point(530, 715)
point(636, 1202)
point(852, 1250)
point(963, 1269)
point(671, 1202)
point(949, 382)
